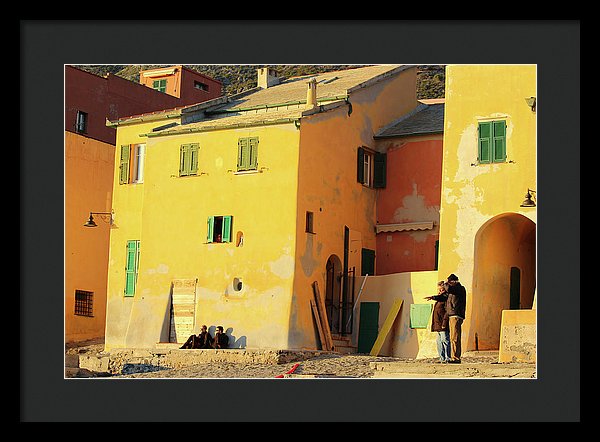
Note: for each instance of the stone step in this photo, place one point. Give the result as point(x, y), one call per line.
point(343, 344)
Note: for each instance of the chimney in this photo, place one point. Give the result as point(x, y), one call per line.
point(267, 77)
point(311, 94)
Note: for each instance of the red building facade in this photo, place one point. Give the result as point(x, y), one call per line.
point(408, 208)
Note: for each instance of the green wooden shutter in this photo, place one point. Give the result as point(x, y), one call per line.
point(485, 135)
point(367, 262)
point(124, 165)
point(379, 169)
point(210, 228)
point(226, 229)
point(183, 162)
point(499, 140)
point(360, 165)
point(243, 154)
point(131, 269)
point(193, 153)
point(253, 153)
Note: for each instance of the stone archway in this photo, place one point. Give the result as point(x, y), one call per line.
point(504, 276)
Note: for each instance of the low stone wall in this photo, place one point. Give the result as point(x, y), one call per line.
point(518, 337)
point(126, 361)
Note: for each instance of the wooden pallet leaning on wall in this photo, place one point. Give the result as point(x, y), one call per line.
point(183, 303)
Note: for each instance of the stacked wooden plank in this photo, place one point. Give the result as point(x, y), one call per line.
point(320, 315)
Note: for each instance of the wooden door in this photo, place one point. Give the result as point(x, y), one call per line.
point(368, 326)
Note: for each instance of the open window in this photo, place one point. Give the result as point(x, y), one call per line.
point(371, 168)
point(219, 229)
point(132, 163)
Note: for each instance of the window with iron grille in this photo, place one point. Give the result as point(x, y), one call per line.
point(84, 303)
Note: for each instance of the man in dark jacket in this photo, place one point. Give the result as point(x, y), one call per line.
point(202, 340)
point(221, 339)
point(455, 309)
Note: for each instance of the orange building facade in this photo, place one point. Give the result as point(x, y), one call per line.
point(89, 155)
point(187, 85)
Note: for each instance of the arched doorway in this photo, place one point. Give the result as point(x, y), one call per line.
point(504, 276)
point(333, 294)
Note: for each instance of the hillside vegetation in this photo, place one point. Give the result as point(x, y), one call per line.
point(238, 78)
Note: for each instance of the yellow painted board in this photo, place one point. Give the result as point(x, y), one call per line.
point(387, 326)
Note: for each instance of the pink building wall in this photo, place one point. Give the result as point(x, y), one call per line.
point(412, 195)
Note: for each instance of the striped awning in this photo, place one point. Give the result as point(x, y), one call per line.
point(401, 227)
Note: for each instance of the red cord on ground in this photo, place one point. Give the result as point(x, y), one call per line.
point(289, 371)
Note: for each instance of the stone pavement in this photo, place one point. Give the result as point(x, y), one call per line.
point(171, 362)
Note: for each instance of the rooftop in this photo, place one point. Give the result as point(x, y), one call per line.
point(283, 102)
point(425, 119)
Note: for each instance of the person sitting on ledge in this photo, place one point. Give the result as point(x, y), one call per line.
point(203, 340)
point(221, 340)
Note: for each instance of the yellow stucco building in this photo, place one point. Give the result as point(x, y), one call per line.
point(227, 212)
point(487, 233)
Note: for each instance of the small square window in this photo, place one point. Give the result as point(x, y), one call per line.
point(84, 302)
point(201, 86)
point(160, 85)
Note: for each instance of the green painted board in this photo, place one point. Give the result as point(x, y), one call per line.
point(419, 315)
point(368, 326)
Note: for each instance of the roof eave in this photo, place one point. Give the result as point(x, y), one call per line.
point(409, 134)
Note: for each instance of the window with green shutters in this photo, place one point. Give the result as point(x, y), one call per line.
point(371, 168)
point(247, 154)
point(131, 167)
point(492, 142)
point(188, 159)
point(131, 266)
point(160, 85)
point(219, 229)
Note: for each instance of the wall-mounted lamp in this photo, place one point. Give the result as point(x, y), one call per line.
point(528, 202)
point(531, 102)
point(107, 217)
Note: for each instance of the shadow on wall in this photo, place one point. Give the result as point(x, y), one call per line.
point(234, 342)
point(403, 340)
point(168, 331)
